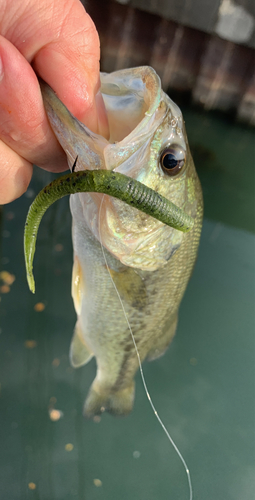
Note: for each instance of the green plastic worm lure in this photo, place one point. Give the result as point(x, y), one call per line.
point(141, 177)
point(115, 184)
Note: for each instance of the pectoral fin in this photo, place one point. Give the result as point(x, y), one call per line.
point(80, 354)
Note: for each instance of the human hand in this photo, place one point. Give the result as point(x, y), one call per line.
point(58, 40)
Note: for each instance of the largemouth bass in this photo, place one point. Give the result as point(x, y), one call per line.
point(150, 263)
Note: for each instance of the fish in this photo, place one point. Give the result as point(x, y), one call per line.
point(130, 270)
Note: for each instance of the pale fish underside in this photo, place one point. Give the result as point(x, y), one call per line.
point(149, 262)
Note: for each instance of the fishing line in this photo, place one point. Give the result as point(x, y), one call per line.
point(140, 364)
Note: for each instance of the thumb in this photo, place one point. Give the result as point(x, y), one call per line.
point(62, 45)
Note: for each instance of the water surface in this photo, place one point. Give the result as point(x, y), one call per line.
point(203, 388)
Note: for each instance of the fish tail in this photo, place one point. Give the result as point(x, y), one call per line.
point(117, 403)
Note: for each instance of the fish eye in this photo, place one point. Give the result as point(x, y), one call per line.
point(172, 159)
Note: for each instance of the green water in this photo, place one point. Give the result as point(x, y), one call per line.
point(203, 388)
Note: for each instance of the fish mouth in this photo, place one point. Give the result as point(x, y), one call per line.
point(131, 98)
point(130, 113)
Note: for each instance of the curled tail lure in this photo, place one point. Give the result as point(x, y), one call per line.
point(132, 192)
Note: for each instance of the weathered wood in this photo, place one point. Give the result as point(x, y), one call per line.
point(215, 73)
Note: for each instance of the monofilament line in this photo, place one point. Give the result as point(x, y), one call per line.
point(140, 363)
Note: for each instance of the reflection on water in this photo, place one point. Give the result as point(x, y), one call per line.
point(203, 387)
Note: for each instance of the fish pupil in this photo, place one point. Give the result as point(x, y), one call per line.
point(172, 159)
